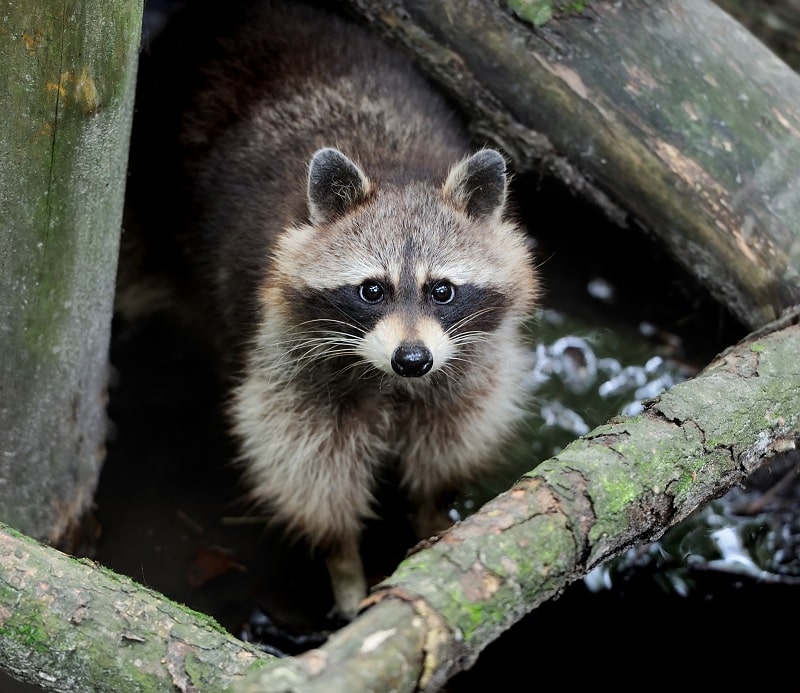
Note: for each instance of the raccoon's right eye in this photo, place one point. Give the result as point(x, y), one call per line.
point(371, 292)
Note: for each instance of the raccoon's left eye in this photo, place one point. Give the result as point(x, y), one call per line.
point(443, 292)
point(371, 292)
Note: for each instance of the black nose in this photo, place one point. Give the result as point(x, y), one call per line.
point(412, 360)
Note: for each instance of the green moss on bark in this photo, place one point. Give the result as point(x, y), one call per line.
point(67, 72)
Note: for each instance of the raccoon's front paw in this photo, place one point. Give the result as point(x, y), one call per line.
point(337, 617)
point(347, 581)
point(347, 596)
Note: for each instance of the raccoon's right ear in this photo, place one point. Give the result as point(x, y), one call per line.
point(477, 185)
point(335, 185)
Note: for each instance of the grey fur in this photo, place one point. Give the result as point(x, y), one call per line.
point(332, 218)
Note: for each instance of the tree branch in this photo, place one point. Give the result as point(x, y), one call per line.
point(667, 114)
point(80, 628)
point(69, 625)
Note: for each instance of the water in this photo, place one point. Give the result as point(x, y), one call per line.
point(581, 375)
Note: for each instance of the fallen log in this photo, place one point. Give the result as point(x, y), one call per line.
point(73, 626)
point(668, 115)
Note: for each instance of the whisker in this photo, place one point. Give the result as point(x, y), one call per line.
point(337, 307)
point(470, 337)
point(320, 340)
point(468, 318)
point(332, 321)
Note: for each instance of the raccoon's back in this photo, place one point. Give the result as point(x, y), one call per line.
point(241, 103)
point(290, 80)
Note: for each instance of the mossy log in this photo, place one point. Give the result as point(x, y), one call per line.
point(669, 115)
point(69, 625)
point(75, 627)
point(68, 72)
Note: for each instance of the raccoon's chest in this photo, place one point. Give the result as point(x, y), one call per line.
point(396, 412)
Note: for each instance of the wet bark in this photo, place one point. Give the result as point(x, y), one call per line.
point(669, 115)
point(622, 484)
point(71, 626)
point(68, 70)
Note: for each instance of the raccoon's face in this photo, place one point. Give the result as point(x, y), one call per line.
point(411, 327)
point(408, 333)
point(409, 282)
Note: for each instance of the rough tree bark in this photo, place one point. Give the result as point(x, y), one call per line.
point(667, 114)
point(67, 625)
point(70, 627)
point(68, 71)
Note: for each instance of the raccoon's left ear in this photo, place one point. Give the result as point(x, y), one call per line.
point(335, 185)
point(477, 185)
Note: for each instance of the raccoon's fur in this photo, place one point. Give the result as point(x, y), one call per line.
point(357, 270)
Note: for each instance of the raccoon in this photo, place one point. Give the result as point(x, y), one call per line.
point(355, 267)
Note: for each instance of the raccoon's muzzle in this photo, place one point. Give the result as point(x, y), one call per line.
point(412, 360)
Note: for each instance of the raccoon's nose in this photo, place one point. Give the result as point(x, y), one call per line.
point(412, 360)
